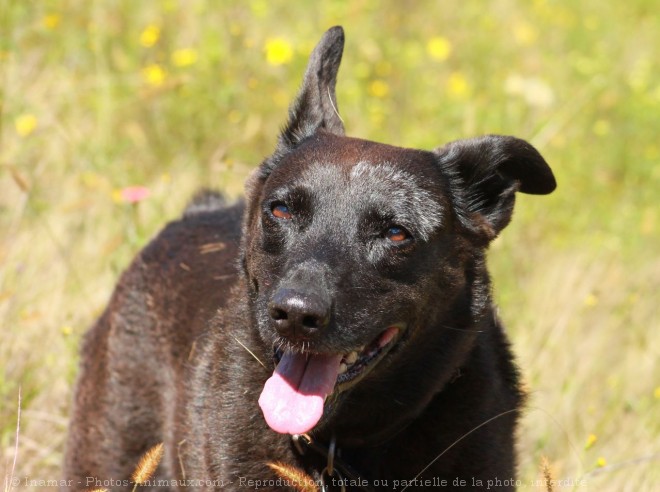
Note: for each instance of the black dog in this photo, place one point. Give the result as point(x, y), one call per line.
point(358, 271)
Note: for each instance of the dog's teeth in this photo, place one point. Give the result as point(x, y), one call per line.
point(342, 368)
point(351, 358)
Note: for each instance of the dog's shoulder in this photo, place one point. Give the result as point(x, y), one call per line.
point(208, 226)
point(191, 264)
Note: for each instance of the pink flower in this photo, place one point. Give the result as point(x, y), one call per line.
point(134, 194)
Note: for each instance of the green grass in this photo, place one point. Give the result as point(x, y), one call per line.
point(88, 108)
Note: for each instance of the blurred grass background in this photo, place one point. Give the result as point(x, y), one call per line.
point(96, 97)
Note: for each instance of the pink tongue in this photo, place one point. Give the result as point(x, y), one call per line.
point(292, 399)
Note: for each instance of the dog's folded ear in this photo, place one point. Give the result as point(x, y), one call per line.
point(315, 107)
point(486, 172)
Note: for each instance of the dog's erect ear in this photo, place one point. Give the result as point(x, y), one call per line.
point(486, 172)
point(315, 106)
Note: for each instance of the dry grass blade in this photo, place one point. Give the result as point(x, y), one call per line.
point(547, 473)
point(20, 180)
point(250, 352)
point(9, 480)
point(296, 478)
point(211, 248)
point(148, 464)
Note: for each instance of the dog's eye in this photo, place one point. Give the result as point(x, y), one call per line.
point(397, 234)
point(281, 211)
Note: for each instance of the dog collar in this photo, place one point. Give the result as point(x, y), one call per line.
point(336, 471)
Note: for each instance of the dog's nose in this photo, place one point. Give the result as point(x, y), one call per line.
point(298, 315)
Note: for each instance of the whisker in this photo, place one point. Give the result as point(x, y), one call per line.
point(463, 329)
point(459, 440)
point(333, 106)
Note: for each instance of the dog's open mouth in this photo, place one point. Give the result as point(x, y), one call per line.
point(356, 364)
point(292, 399)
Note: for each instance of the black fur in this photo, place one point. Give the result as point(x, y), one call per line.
point(367, 236)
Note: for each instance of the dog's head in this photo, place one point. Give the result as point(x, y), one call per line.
point(357, 252)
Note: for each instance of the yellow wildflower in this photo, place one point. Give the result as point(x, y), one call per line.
point(150, 36)
point(591, 440)
point(51, 21)
point(116, 196)
point(458, 86)
point(278, 51)
point(656, 393)
point(25, 124)
point(184, 57)
point(67, 330)
point(154, 75)
point(379, 89)
point(591, 300)
point(601, 462)
point(439, 48)
point(525, 33)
